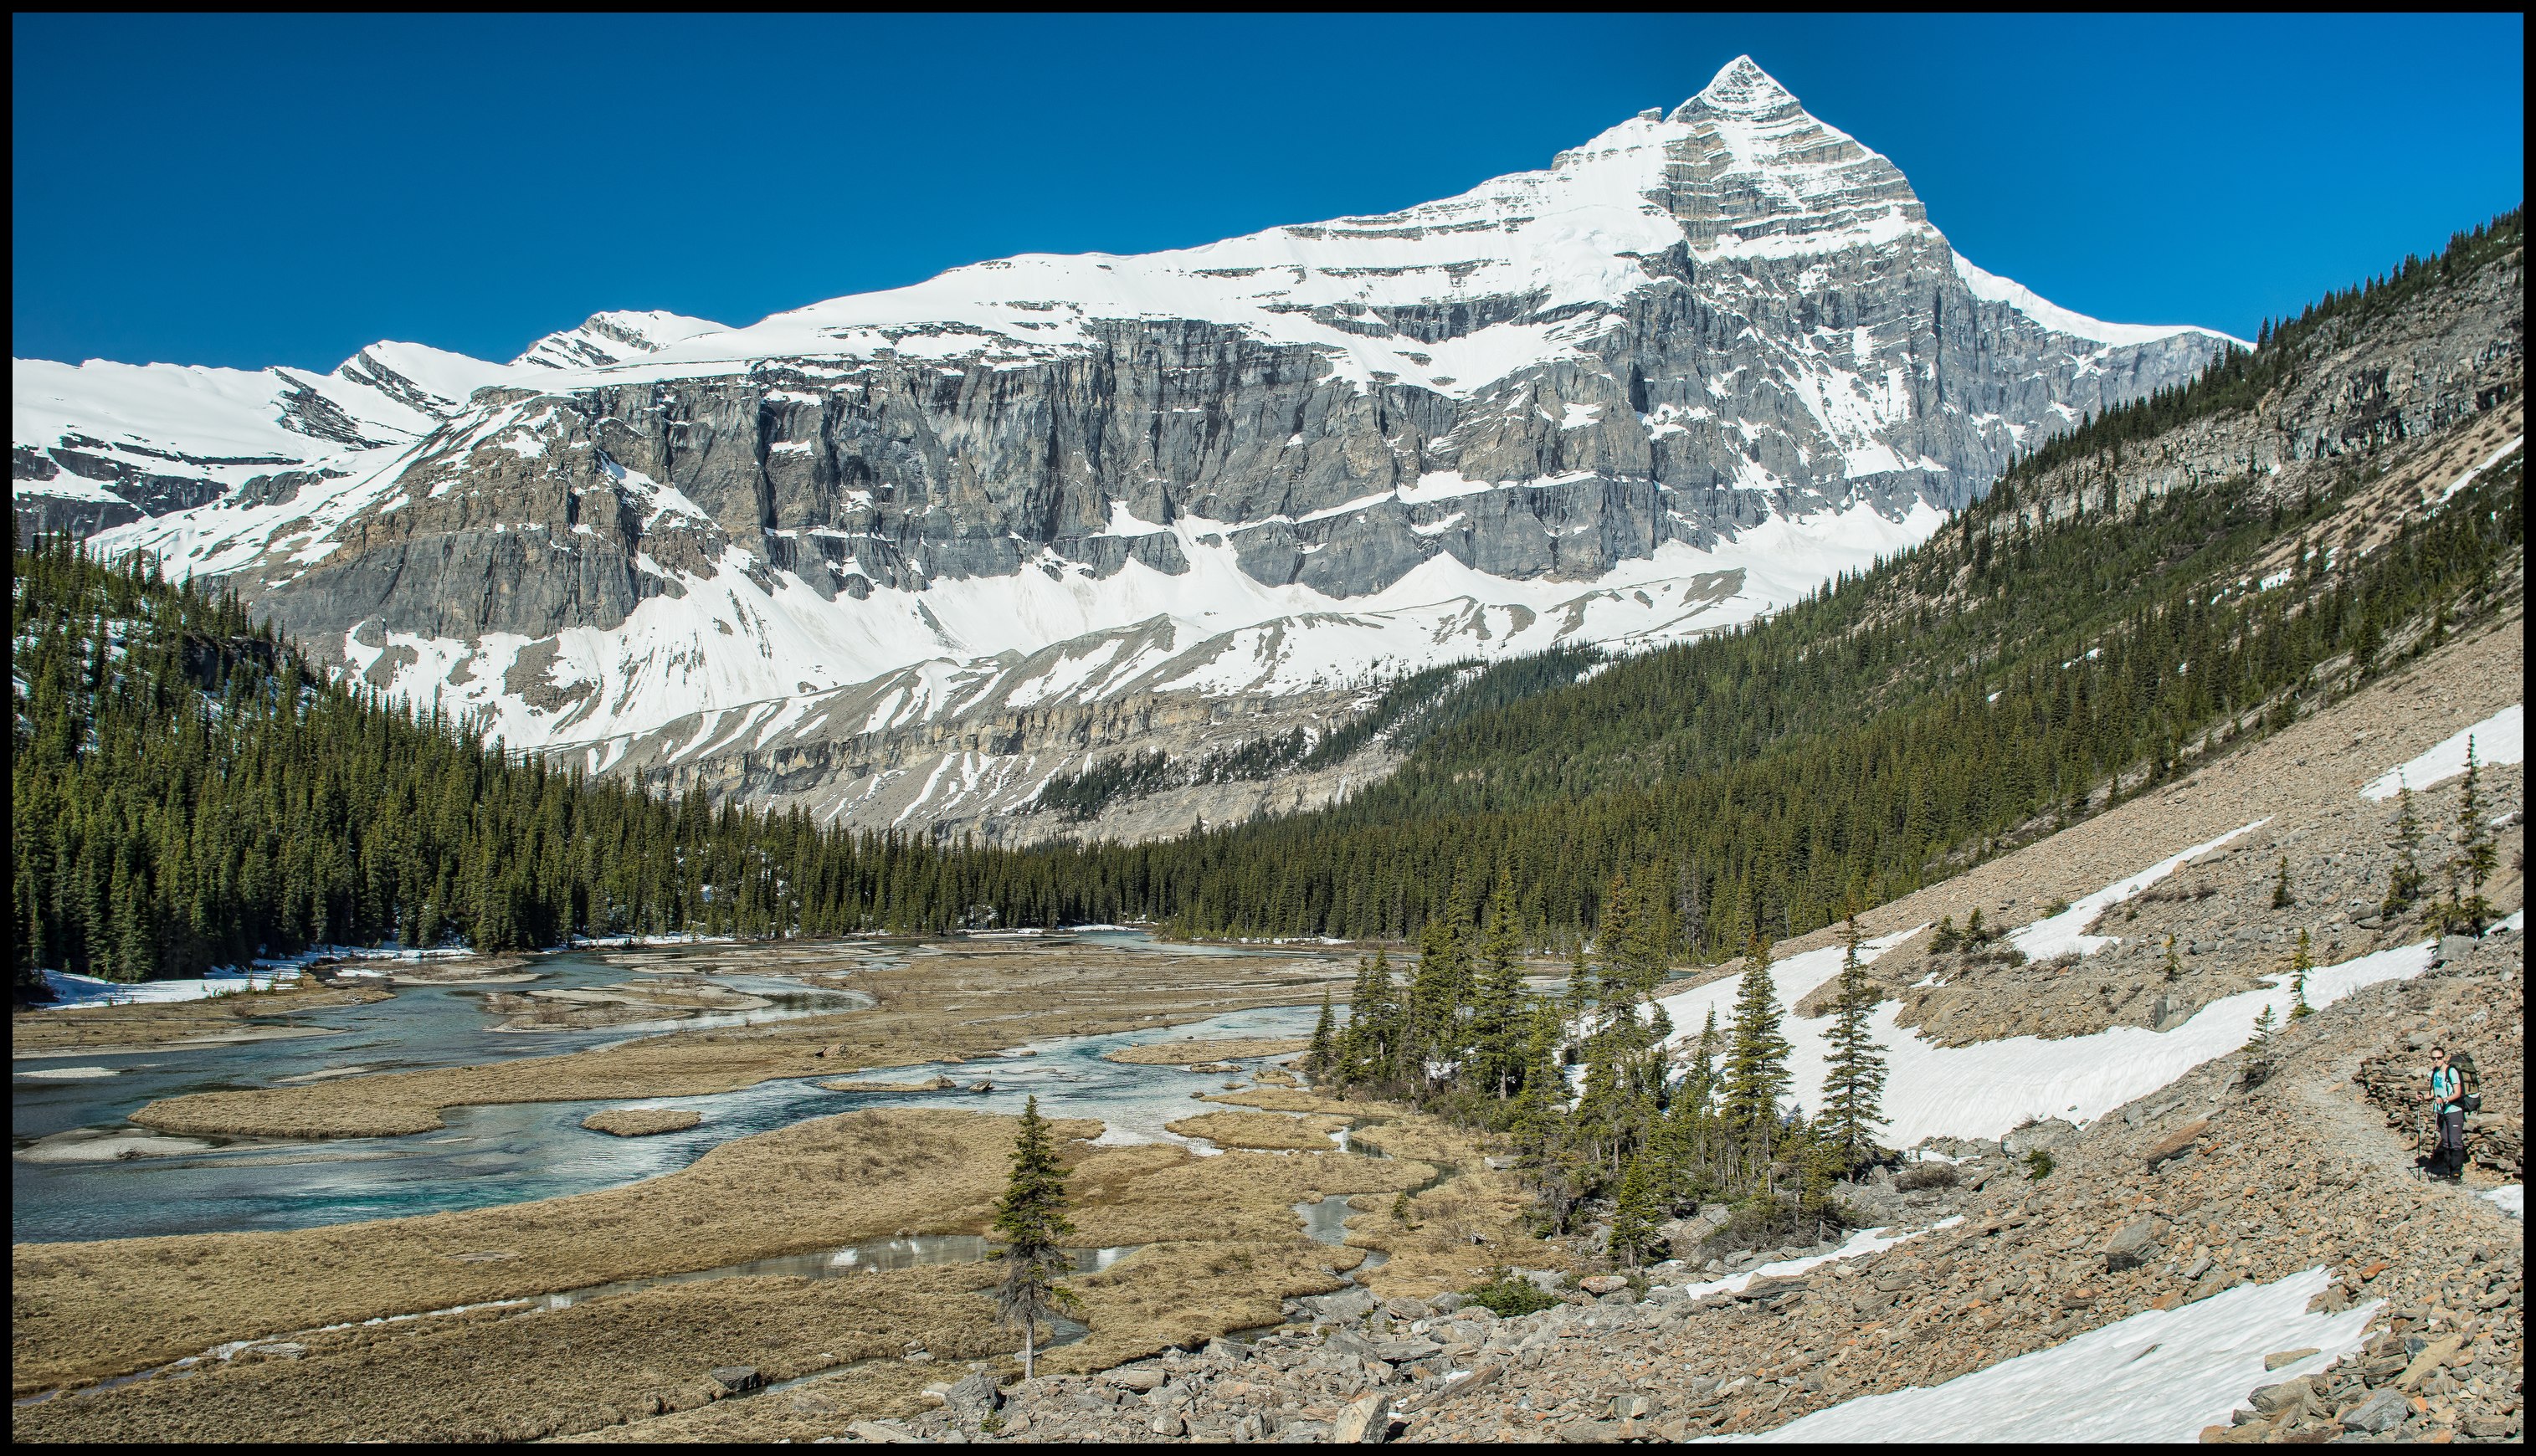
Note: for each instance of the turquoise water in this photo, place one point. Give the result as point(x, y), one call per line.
point(506, 1154)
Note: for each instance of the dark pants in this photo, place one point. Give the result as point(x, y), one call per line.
point(2451, 1154)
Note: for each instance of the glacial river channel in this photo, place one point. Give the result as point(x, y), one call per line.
point(501, 1154)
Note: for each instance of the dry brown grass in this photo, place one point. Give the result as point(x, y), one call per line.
point(640, 1121)
point(83, 1310)
point(1264, 1130)
point(95, 1027)
point(1190, 1051)
point(942, 1004)
point(501, 1376)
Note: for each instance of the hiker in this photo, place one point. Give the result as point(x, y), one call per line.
point(2446, 1097)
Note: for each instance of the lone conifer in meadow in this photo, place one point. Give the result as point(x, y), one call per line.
point(1031, 1220)
point(1854, 1079)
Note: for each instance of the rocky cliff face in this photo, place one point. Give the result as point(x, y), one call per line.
point(1724, 343)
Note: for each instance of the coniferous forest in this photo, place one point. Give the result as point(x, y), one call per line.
point(190, 792)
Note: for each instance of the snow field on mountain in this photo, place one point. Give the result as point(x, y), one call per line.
point(1986, 1089)
point(1226, 631)
point(2064, 933)
point(2500, 738)
point(2515, 445)
point(2160, 1375)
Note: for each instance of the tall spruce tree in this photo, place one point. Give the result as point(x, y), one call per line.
point(1757, 1057)
point(1853, 1077)
point(1316, 1060)
point(1031, 1220)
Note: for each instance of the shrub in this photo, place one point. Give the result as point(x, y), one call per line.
point(2038, 1164)
point(1921, 1175)
point(1507, 1296)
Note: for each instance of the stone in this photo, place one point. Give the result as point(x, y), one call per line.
point(2272, 1400)
point(2383, 1412)
point(2179, 1142)
point(1404, 1307)
point(2454, 948)
point(878, 1430)
point(1138, 1378)
point(1167, 1423)
point(1602, 1284)
point(1401, 1352)
point(1365, 1420)
point(974, 1396)
point(2134, 1245)
point(2432, 1356)
point(738, 1380)
point(1346, 1305)
point(2280, 1358)
point(1449, 1301)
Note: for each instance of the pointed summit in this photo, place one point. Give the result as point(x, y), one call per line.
point(1741, 88)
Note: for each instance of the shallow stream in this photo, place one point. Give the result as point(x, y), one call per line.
point(505, 1153)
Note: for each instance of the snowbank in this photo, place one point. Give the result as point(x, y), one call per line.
point(73, 992)
point(2500, 738)
point(2510, 1199)
point(2161, 1375)
point(2064, 934)
point(1861, 1243)
point(1985, 1089)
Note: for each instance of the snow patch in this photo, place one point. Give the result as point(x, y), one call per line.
point(2500, 738)
point(2062, 935)
point(2160, 1375)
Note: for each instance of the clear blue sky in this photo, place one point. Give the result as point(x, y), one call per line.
point(285, 190)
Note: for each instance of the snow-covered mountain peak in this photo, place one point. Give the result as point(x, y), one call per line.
point(614, 338)
point(1741, 88)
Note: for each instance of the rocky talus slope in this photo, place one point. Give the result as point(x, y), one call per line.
point(2250, 1168)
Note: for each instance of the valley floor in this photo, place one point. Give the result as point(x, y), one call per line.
point(2244, 1204)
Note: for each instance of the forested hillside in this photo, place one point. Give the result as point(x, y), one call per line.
point(189, 792)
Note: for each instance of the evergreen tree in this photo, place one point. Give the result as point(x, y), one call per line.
point(1497, 1022)
point(1756, 1057)
point(2265, 1022)
point(2405, 880)
point(2171, 967)
point(1635, 1215)
point(2281, 887)
point(1031, 1220)
point(2472, 864)
point(1854, 1074)
point(2301, 963)
point(1316, 1061)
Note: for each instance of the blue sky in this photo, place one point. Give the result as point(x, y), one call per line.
point(285, 190)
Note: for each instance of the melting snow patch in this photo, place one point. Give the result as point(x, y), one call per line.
point(2060, 934)
point(2495, 457)
point(1986, 1089)
point(2160, 1375)
point(72, 992)
point(1861, 1243)
point(2500, 738)
point(2511, 1198)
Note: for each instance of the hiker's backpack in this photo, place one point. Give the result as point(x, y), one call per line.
point(2469, 1082)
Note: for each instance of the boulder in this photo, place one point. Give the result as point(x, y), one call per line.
point(878, 1430)
point(1138, 1378)
point(1401, 1352)
point(2280, 1358)
point(2383, 1412)
point(1363, 1421)
point(2134, 1244)
point(2454, 948)
point(738, 1380)
point(2179, 1142)
point(973, 1397)
point(1449, 1300)
point(1350, 1303)
point(2043, 1136)
point(1602, 1284)
point(1402, 1306)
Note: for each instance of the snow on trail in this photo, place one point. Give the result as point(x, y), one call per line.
point(1988, 1089)
point(2511, 1198)
point(2160, 1375)
point(1860, 1244)
point(2064, 934)
point(2500, 738)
